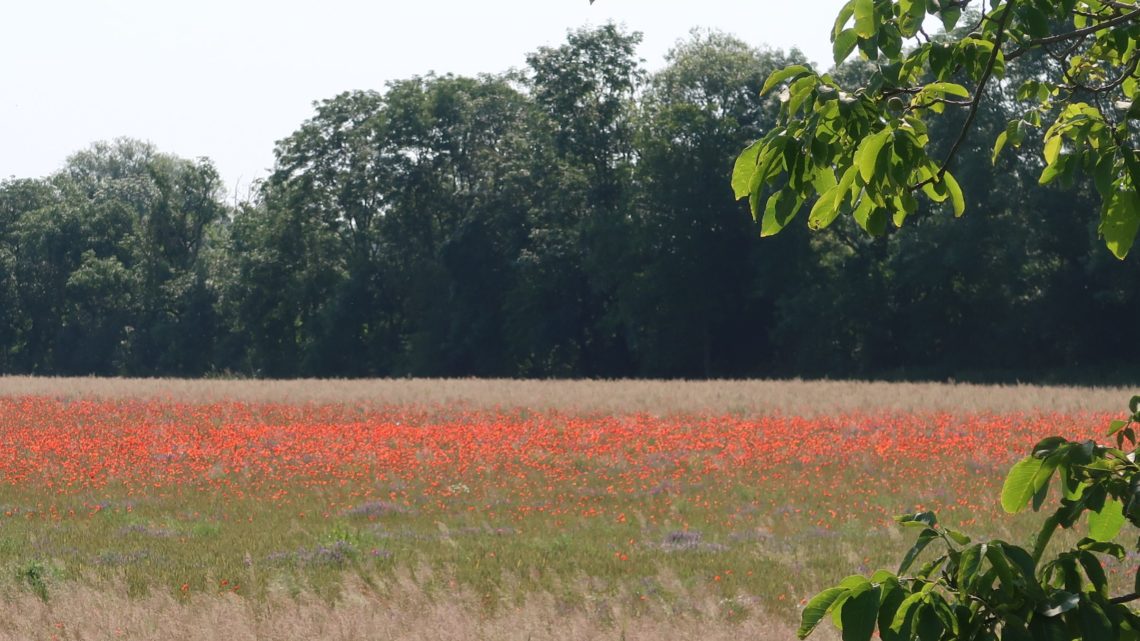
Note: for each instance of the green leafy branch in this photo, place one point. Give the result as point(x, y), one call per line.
point(866, 151)
point(995, 590)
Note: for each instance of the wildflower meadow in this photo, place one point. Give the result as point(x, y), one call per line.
point(616, 517)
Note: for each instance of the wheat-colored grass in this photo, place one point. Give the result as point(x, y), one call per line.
point(739, 397)
point(82, 612)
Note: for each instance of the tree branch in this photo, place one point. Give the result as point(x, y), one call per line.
point(941, 101)
point(1127, 598)
point(1079, 33)
point(1120, 5)
point(1108, 86)
point(980, 90)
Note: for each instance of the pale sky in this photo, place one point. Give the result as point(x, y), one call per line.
point(227, 78)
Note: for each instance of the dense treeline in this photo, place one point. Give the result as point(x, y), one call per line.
point(570, 219)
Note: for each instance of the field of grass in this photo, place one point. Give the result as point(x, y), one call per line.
point(484, 509)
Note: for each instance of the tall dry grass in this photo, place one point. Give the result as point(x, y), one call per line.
point(748, 398)
point(81, 612)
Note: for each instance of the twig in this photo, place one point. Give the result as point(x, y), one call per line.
point(981, 88)
point(1079, 33)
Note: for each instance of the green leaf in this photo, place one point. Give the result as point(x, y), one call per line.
point(883, 576)
point(941, 59)
point(1047, 446)
point(918, 519)
point(778, 212)
point(999, 143)
point(912, 13)
point(902, 615)
point(1050, 173)
point(999, 564)
point(958, 537)
point(1018, 488)
point(744, 169)
point(1105, 524)
point(924, 539)
point(826, 209)
point(859, 614)
point(799, 91)
point(1071, 486)
point(948, 88)
point(1020, 558)
point(823, 180)
point(818, 608)
point(867, 154)
point(893, 596)
point(1114, 550)
point(1037, 20)
point(1039, 497)
point(932, 566)
point(956, 197)
point(1116, 426)
point(847, 186)
point(1094, 571)
point(845, 14)
point(853, 581)
point(950, 18)
point(844, 44)
point(863, 213)
point(934, 190)
point(781, 75)
point(905, 205)
point(1053, 149)
point(1093, 622)
point(890, 42)
point(1070, 511)
point(969, 563)
point(1048, 629)
point(929, 627)
point(1120, 221)
point(865, 24)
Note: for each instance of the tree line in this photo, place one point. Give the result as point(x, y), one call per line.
point(568, 219)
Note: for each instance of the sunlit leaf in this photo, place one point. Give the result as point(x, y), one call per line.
point(1018, 488)
point(1105, 524)
point(818, 608)
point(1119, 223)
point(781, 75)
point(865, 24)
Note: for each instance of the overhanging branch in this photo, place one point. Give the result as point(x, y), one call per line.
point(1079, 33)
point(979, 91)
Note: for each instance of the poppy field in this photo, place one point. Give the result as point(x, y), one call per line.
point(615, 516)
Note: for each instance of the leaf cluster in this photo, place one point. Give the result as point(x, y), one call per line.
point(996, 590)
point(865, 150)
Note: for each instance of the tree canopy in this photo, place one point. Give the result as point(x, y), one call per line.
point(570, 218)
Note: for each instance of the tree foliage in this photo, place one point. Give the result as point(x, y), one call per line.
point(867, 150)
point(967, 590)
point(569, 218)
point(1067, 69)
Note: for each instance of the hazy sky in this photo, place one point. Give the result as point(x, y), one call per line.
point(227, 78)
